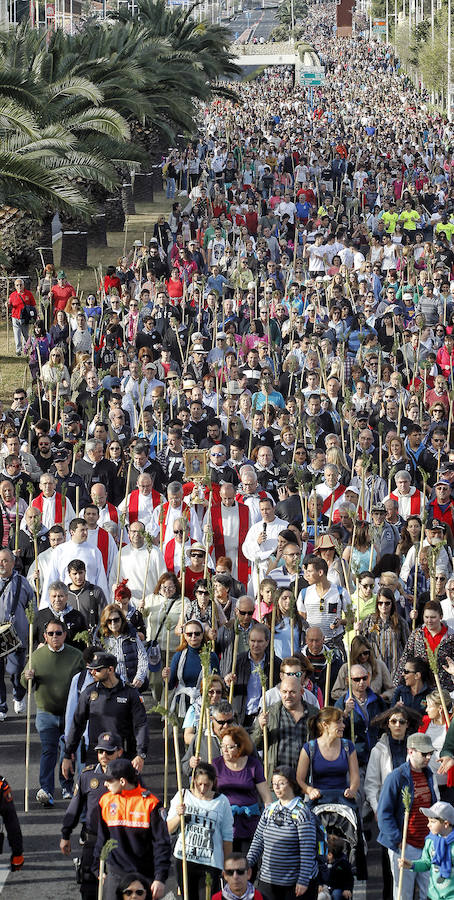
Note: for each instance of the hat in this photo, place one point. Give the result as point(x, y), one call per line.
point(102, 660)
point(352, 489)
point(325, 542)
point(436, 524)
point(197, 546)
point(122, 591)
point(198, 348)
point(407, 295)
point(150, 365)
point(439, 810)
point(121, 768)
point(61, 274)
point(378, 507)
point(189, 383)
point(197, 337)
point(221, 336)
point(70, 418)
point(109, 741)
point(420, 742)
point(443, 481)
point(233, 388)
point(60, 455)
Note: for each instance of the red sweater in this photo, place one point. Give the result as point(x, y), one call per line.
point(61, 295)
point(17, 302)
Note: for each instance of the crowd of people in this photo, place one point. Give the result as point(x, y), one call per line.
point(230, 489)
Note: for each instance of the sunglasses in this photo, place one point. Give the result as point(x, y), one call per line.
point(397, 722)
point(107, 752)
point(384, 603)
point(198, 555)
point(361, 678)
point(193, 633)
point(178, 531)
point(140, 892)
point(409, 672)
point(115, 619)
point(223, 722)
point(231, 872)
point(52, 633)
point(245, 612)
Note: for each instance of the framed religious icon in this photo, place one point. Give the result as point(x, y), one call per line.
point(195, 465)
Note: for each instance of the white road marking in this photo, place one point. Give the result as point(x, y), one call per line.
point(4, 872)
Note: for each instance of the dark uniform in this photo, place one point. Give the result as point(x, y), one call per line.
point(9, 815)
point(119, 709)
point(87, 794)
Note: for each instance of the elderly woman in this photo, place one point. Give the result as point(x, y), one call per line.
point(119, 638)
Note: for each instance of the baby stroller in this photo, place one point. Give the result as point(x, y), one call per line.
point(343, 821)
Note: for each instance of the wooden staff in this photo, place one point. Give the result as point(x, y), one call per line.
point(406, 800)
point(181, 798)
point(350, 692)
point(77, 499)
point(273, 627)
point(234, 658)
point(123, 519)
point(30, 612)
point(17, 523)
point(208, 726)
point(166, 724)
point(7, 315)
point(265, 727)
point(105, 852)
point(183, 569)
point(329, 659)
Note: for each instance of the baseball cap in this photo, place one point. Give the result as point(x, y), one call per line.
point(420, 742)
point(121, 768)
point(60, 455)
point(378, 507)
point(436, 524)
point(109, 740)
point(443, 481)
point(61, 274)
point(102, 660)
point(439, 810)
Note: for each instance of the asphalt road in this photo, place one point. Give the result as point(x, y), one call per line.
point(46, 873)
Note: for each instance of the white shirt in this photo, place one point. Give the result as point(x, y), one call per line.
point(112, 553)
point(172, 514)
point(63, 554)
point(145, 508)
point(133, 566)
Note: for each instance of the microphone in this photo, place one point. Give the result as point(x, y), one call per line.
point(264, 528)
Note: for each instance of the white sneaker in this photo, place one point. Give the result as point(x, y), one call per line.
point(44, 798)
point(2, 716)
point(19, 707)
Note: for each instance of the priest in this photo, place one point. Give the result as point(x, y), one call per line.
point(229, 522)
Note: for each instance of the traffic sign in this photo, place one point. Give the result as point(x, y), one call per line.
point(379, 26)
point(310, 76)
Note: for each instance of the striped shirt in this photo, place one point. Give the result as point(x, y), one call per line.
point(285, 838)
point(323, 611)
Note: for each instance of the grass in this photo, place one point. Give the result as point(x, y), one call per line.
point(14, 370)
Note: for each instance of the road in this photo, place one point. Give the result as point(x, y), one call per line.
point(44, 865)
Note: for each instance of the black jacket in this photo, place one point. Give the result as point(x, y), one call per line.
point(104, 472)
point(27, 548)
point(118, 709)
point(243, 674)
point(74, 622)
point(90, 602)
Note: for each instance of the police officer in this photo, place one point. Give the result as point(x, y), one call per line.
point(108, 705)
point(9, 815)
point(87, 793)
point(133, 818)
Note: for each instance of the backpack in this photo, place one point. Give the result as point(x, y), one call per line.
point(321, 838)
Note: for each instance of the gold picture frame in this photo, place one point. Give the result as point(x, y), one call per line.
point(195, 465)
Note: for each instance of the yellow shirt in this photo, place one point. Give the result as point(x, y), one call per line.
point(390, 220)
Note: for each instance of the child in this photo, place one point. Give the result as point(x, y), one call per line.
point(340, 882)
point(438, 852)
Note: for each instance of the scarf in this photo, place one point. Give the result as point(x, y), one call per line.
point(442, 855)
point(228, 894)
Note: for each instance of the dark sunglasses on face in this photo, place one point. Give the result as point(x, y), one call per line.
point(52, 633)
point(361, 678)
point(231, 872)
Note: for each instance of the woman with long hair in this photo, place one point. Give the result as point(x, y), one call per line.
point(362, 554)
point(328, 764)
point(285, 601)
point(120, 639)
point(362, 654)
point(208, 831)
point(116, 454)
point(386, 630)
point(435, 725)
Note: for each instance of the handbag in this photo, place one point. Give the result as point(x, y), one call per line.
point(153, 649)
point(28, 315)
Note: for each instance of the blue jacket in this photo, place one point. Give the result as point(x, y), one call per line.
point(390, 812)
point(366, 736)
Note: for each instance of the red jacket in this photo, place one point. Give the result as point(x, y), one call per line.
point(446, 516)
point(17, 302)
point(61, 295)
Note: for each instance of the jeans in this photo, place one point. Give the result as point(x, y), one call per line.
point(13, 664)
point(410, 878)
point(19, 332)
point(170, 189)
point(50, 728)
